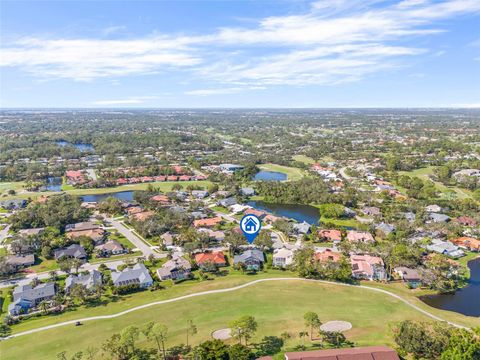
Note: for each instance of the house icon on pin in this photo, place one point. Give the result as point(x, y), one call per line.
point(251, 225)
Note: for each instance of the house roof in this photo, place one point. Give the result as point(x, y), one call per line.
point(216, 257)
point(207, 222)
point(175, 263)
point(467, 242)
point(251, 253)
point(138, 273)
point(110, 245)
point(81, 226)
point(302, 228)
point(20, 260)
point(359, 353)
point(328, 255)
point(356, 236)
point(74, 250)
point(27, 292)
point(90, 280)
point(331, 234)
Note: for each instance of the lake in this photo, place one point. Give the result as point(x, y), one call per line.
point(122, 195)
point(298, 212)
point(465, 301)
point(270, 176)
point(80, 146)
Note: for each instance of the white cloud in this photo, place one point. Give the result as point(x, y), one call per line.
point(334, 42)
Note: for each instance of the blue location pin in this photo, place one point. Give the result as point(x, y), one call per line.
point(250, 226)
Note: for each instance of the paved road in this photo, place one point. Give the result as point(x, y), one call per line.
point(342, 172)
point(415, 307)
point(134, 239)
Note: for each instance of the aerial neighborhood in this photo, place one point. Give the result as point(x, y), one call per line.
point(92, 224)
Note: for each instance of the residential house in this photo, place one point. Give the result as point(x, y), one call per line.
point(88, 229)
point(372, 211)
point(385, 228)
point(26, 297)
point(270, 219)
point(438, 218)
point(445, 248)
point(247, 191)
point(142, 216)
point(161, 199)
point(230, 168)
point(466, 221)
point(328, 255)
point(13, 204)
point(20, 261)
point(227, 202)
point(258, 213)
point(302, 228)
point(410, 276)
point(359, 236)
point(90, 281)
point(253, 259)
point(111, 247)
point(31, 232)
point(467, 243)
point(73, 251)
point(356, 353)
point(283, 257)
point(178, 268)
point(216, 235)
point(368, 267)
point(138, 275)
point(205, 259)
point(330, 235)
point(199, 194)
point(433, 209)
point(207, 222)
point(167, 239)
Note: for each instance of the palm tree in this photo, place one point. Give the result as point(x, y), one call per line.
point(53, 275)
point(43, 306)
point(302, 335)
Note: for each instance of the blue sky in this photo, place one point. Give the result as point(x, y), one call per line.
point(337, 53)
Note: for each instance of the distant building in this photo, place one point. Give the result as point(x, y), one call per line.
point(230, 168)
point(177, 268)
point(445, 248)
point(410, 276)
point(359, 236)
point(302, 228)
point(247, 191)
point(368, 267)
point(253, 259)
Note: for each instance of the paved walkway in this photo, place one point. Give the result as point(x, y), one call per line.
point(202, 293)
point(4, 233)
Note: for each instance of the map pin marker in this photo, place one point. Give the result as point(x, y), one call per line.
point(250, 226)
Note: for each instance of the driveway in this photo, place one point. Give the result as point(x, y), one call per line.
point(4, 233)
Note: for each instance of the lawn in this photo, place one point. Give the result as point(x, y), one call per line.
point(6, 186)
point(304, 159)
point(42, 265)
point(277, 307)
point(350, 223)
point(293, 174)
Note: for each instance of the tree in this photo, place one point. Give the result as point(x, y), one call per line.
point(115, 348)
point(129, 336)
point(463, 345)
point(157, 332)
point(311, 320)
point(91, 353)
point(79, 293)
point(264, 240)
point(302, 335)
point(240, 352)
point(43, 306)
point(234, 240)
point(270, 345)
point(4, 330)
point(53, 275)
point(243, 327)
point(212, 350)
point(191, 328)
point(335, 338)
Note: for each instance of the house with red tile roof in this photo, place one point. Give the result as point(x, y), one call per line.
point(172, 178)
point(356, 353)
point(211, 222)
point(359, 236)
point(142, 216)
point(328, 255)
point(332, 235)
point(205, 258)
point(258, 213)
point(163, 199)
point(160, 178)
point(184, 178)
point(75, 177)
point(368, 267)
point(468, 243)
point(466, 221)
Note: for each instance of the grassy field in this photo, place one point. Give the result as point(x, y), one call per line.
point(6, 186)
point(424, 174)
point(275, 305)
point(293, 174)
point(304, 159)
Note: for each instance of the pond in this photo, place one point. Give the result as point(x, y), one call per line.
point(270, 176)
point(54, 184)
point(466, 300)
point(122, 195)
point(80, 146)
point(298, 212)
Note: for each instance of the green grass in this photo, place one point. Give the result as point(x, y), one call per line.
point(42, 265)
point(277, 307)
point(220, 209)
point(293, 174)
point(304, 159)
point(341, 222)
point(424, 174)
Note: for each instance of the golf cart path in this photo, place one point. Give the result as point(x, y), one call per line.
point(219, 291)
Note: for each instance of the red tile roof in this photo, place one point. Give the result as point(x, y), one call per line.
point(359, 353)
point(207, 222)
point(331, 234)
point(217, 257)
